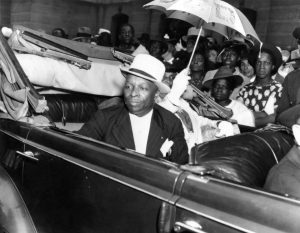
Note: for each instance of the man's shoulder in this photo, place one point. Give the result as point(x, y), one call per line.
point(165, 114)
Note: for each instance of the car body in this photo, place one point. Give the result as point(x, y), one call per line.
point(53, 180)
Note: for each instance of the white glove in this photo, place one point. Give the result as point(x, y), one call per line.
point(6, 31)
point(226, 129)
point(296, 132)
point(180, 84)
point(270, 106)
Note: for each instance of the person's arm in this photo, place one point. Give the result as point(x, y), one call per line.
point(94, 128)
point(284, 101)
point(262, 118)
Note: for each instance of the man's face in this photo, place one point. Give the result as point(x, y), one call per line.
point(229, 58)
point(139, 95)
point(220, 90)
point(126, 34)
point(264, 66)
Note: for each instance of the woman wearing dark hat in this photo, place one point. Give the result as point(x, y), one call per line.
point(222, 86)
point(262, 95)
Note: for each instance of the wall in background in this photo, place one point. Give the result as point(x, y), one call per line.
point(275, 19)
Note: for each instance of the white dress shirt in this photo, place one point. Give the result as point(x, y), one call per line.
point(140, 129)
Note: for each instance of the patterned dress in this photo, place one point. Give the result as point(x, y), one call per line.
point(256, 97)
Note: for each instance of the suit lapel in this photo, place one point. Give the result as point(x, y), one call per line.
point(156, 135)
point(122, 131)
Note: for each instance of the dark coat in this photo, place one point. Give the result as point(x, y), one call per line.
point(112, 125)
point(289, 103)
point(284, 178)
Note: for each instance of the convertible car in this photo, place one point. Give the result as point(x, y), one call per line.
point(53, 180)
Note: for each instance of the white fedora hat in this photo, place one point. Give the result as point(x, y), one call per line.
point(148, 67)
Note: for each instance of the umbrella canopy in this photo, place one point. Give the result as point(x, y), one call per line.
point(199, 12)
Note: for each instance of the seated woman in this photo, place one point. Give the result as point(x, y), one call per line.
point(261, 96)
point(221, 86)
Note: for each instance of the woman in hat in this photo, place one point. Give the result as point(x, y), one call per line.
point(221, 87)
point(261, 96)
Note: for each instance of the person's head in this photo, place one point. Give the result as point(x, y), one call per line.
point(198, 62)
point(126, 34)
point(230, 57)
point(83, 35)
point(223, 83)
point(157, 48)
point(103, 38)
point(268, 61)
point(59, 32)
point(222, 89)
point(246, 67)
point(211, 42)
point(191, 38)
point(143, 83)
point(212, 54)
point(190, 43)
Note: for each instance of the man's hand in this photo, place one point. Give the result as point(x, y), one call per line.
point(180, 84)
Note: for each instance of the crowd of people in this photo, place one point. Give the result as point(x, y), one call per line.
point(169, 106)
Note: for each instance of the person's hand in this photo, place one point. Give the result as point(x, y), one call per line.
point(180, 84)
point(6, 31)
point(226, 129)
point(270, 106)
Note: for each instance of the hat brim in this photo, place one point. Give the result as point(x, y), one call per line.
point(163, 88)
point(236, 79)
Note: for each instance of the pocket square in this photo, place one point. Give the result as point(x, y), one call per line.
point(166, 147)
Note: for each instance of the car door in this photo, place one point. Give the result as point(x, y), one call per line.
point(74, 185)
